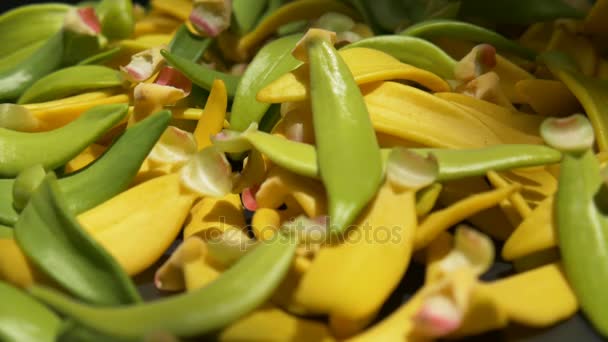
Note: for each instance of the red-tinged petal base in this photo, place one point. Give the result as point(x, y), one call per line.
point(248, 198)
point(89, 17)
point(172, 77)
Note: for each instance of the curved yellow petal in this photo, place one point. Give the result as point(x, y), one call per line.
point(538, 298)
point(253, 173)
point(15, 268)
point(510, 73)
point(148, 98)
point(578, 47)
point(271, 324)
point(537, 36)
point(186, 268)
point(84, 158)
point(395, 327)
point(366, 65)
point(265, 223)
point(507, 133)
point(179, 9)
point(524, 122)
point(146, 218)
point(442, 220)
point(94, 95)
point(369, 65)
point(212, 119)
point(350, 281)
point(423, 118)
point(548, 97)
point(593, 95)
point(435, 252)
point(144, 42)
point(293, 11)
point(280, 184)
point(211, 214)
point(491, 221)
point(536, 183)
point(63, 113)
point(483, 314)
point(155, 24)
point(516, 200)
point(534, 234)
point(183, 113)
point(596, 21)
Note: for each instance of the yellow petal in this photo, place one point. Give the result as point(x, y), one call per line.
point(596, 21)
point(279, 184)
point(211, 214)
point(62, 114)
point(507, 133)
point(602, 69)
point(149, 170)
point(536, 183)
point(199, 273)
point(265, 223)
point(366, 65)
point(483, 314)
point(509, 74)
point(516, 201)
point(395, 327)
point(149, 98)
point(272, 324)
point(578, 47)
point(491, 221)
point(427, 198)
point(420, 117)
point(179, 9)
point(548, 97)
point(130, 47)
point(369, 65)
point(350, 281)
point(534, 234)
point(182, 113)
point(537, 298)
point(290, 12)
point(84, 158)
point(15, 268)
point(146, 218)
point(253, 173)
point(155, 24)
point(537, 36)
point(212, 119)
point(592, 94)
point(186, 268)
point(94, 95)
point(442, 220)
point(435, 253)
point(524, 122)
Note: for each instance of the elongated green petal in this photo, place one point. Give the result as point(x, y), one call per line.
point(460, 30)
point(71, 81)
point(200, 75)
point(238, 291)
point(412, 50)
point(22, 318)
point(347, 151)
point(271, 62)
point(50, 236)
